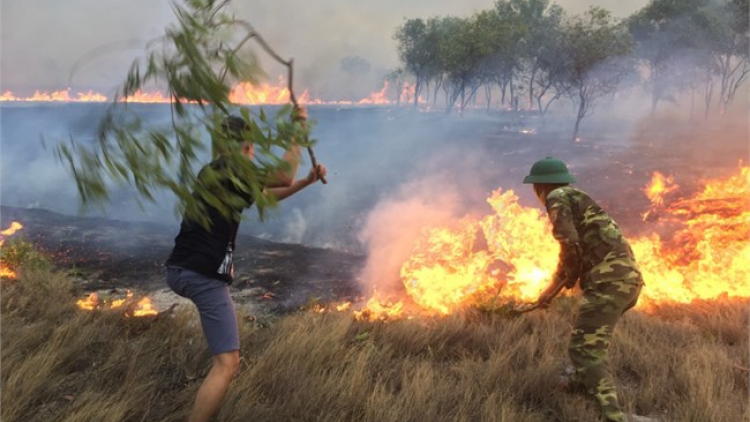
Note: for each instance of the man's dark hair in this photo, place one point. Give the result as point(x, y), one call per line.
point(234, 126)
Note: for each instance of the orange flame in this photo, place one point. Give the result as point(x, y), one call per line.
point(408, 92)
point(656, 190)
point(243, 93)
point(377, 97)
point(659, 186)
point(56, 96)
point(380, 308)
point(143, 307)
point(15, 226)
point(708, 257)
point(247, 93)
point(155, 97)
point(90, 303)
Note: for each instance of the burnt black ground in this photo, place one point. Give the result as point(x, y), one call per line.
point(113, 255)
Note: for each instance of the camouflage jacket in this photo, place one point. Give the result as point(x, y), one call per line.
point(602, 253)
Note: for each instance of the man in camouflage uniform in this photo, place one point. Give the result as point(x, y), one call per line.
point(594, 251)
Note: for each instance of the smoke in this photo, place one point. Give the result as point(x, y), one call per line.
point(44, 41)
point(393, 225)
point(294, 230)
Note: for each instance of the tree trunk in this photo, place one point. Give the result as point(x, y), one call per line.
point(438, 85)
point(488, 95)
point(580, 115)
point(503, 86)
point(708, 94)
point(531, 87)
point(463, 97)
point(575, 128)
point(417, 90)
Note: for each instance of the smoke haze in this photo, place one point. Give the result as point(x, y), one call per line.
point(44, 40)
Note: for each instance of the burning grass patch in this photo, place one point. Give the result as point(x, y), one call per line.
point(681, 362)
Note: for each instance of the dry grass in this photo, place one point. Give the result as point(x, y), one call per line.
point(683, 363)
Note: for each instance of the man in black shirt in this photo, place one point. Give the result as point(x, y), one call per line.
point(199, 267)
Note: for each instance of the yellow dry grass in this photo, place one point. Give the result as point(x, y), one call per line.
point(682, 363)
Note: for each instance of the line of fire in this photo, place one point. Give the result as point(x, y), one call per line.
point(706, 257)
point(243, 93)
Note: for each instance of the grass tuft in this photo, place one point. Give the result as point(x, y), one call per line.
point(679, 362)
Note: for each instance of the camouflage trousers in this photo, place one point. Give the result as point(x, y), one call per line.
point(600, 309)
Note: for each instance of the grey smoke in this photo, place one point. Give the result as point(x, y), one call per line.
point(44, 40)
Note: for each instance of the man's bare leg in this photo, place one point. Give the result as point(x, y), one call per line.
point(223, 369)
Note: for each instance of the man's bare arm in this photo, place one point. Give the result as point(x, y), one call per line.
point(281, 193)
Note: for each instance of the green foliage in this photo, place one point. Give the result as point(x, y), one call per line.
point(17, 253)
point(712, 32)
point(598, 52)
point(198, 60)
point(534, 48)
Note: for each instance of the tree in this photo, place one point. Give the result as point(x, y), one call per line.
point(198, 60)
point(665, 31)
point(463, 47)
point(493, 40)
point(545, 49)
point(597, 49)
point(396, 78)
point(537, 28)
point(508, 55)
point(727, 41)
point(417, 50)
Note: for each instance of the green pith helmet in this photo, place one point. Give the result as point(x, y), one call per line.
point(549, 170)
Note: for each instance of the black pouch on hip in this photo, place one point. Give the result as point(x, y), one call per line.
point(226, 269)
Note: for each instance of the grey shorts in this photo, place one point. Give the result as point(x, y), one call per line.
point(215, 305)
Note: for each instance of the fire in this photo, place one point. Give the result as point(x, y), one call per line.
point(242, 93)
point(706, 257)
point(659, 186)
point(56, 96)
point(15, 226)
point(376, 98)
point(656, 190)
point(143, 307)
point(246, 93)
point(408, 92)
point(154, 97)
point(709, 253)
point(7, 272)
point(90, 303)
point(448, 272)
point(380, 308)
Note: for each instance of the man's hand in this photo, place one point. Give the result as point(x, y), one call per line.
point(299, 114)
point(525, 307)
point(544, 301)
point(316, 174)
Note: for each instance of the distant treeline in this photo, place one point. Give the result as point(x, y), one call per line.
point(533, 52)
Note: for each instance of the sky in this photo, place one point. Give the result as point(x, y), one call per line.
point(44, 41)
